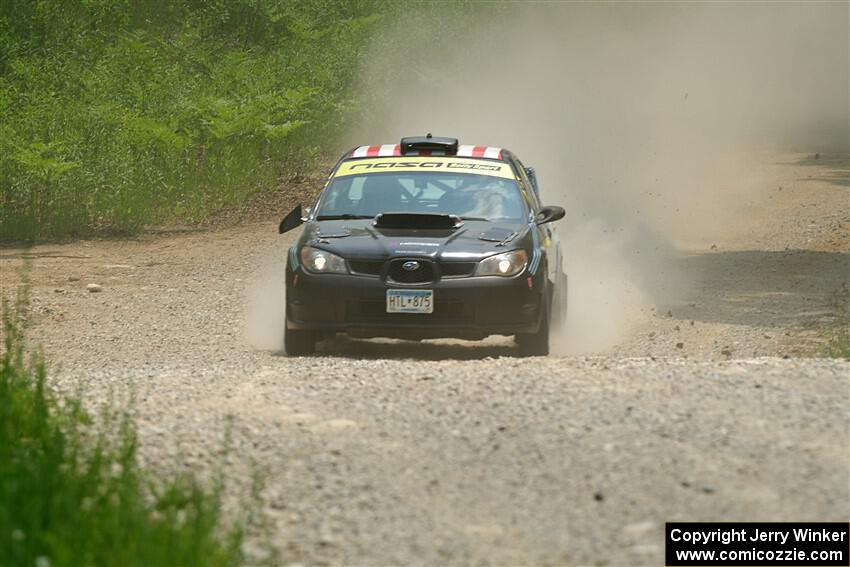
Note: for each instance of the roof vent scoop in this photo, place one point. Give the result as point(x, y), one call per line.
point(428, 143)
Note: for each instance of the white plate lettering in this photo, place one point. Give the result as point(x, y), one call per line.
point(410, 301)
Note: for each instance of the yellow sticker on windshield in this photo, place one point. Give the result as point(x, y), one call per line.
point(436, 164)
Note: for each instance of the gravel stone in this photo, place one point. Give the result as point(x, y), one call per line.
point(449, 452)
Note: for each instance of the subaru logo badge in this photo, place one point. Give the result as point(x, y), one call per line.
point(410, 266)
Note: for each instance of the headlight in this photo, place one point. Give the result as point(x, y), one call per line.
point(320, 261)
point(506, 264)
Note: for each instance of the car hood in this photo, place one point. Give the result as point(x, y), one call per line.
point(359, 239)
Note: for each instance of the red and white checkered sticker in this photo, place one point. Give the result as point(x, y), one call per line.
point(388, 150)
point(377, 151)
point(479, 151)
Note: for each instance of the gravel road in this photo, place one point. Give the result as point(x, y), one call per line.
point(445, 452)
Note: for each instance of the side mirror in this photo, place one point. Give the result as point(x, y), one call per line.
point(290, 221)
point(550, 214)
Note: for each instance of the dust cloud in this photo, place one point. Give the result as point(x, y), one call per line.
point(649, 123)
point(265, 314)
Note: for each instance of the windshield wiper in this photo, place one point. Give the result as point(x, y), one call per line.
point(474, 218)
point(346, 216)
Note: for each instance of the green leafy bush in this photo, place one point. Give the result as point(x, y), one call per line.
point(73, 496)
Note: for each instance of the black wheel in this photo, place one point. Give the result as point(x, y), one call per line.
point(536, 344)
point(299, 342)
point(559, 305)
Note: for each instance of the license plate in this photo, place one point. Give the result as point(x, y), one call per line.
point(410, 301)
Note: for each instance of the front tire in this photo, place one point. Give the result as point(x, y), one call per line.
point(535, 344)
point(559, 305)
point(299, 342)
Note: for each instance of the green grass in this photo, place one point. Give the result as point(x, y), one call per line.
point(117, 114)
point(837, 344)
point(74, 494)
point(837, 336)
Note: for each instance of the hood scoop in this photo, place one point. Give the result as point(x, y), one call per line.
point(338, 234)
point(499, 235)
point(417, 221)
point(323, 237)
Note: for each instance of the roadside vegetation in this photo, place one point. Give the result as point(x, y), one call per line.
point(118, 114)
point(837, 337)
point(72, 493)
point(838, 344)
point(121, 114)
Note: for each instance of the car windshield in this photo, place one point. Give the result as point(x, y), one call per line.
point(468, 196)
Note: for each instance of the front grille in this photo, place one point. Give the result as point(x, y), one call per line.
point(424, 273)
point(457, 269)
point(367, 267)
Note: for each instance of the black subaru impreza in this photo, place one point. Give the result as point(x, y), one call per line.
point(426, 239)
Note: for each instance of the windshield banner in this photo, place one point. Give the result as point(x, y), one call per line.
point(425, 164)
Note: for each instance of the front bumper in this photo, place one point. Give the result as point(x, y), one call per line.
point(467, 307)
